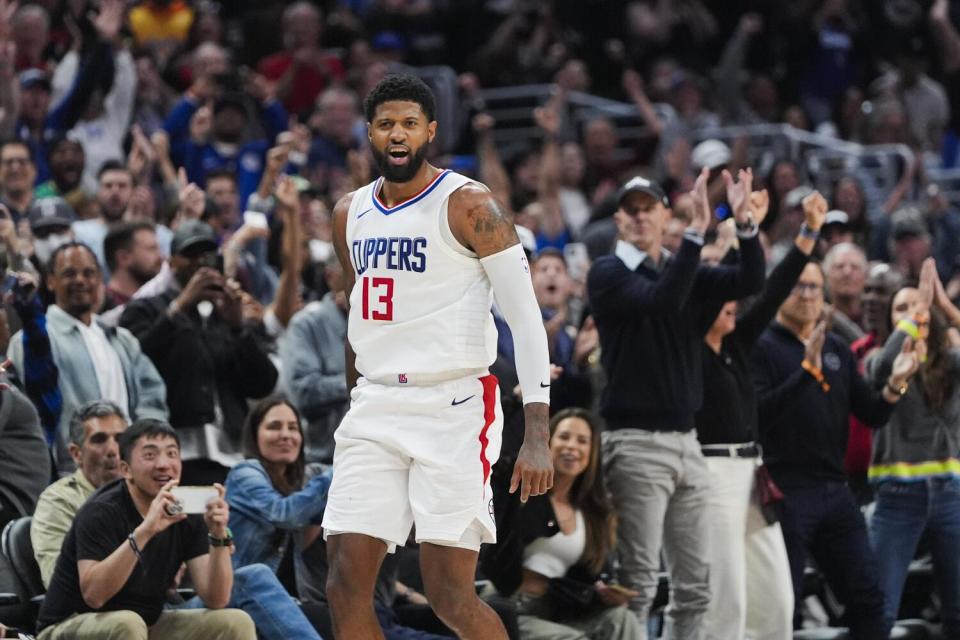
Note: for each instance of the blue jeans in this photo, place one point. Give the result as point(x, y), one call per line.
point(258, 592)
point(904, 510)
point(826, 522)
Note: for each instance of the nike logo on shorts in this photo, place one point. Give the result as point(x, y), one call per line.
point(363, 213)
point(455, 402)
point(544, 386)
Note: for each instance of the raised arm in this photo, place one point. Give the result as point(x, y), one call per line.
point(755, 318)
point(340, 212)
point(492, 171)
point(480, 223)
point(548, 187)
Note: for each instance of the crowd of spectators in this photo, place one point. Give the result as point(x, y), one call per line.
point(167, 173)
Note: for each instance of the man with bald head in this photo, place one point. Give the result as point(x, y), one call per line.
point(845, 267)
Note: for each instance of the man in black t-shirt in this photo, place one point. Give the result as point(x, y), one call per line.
point(124, 549)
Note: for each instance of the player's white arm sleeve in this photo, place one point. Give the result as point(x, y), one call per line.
point(509, 274)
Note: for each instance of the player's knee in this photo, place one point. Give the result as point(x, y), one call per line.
point(450, 603)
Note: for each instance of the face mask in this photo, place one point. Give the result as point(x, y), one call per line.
point(44, 247)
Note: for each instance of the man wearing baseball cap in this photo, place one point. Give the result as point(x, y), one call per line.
point(207, 353)
point(50, 220)
point(646, 302)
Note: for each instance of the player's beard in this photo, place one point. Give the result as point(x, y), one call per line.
point(403, 173)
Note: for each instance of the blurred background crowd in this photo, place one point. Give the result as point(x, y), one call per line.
point(194, 147)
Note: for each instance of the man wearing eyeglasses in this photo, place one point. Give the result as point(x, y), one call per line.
point(807, 386)
point(17, 175)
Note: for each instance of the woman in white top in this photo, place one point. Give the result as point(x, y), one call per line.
point(554, 549)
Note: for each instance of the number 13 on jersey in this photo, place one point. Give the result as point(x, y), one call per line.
point(378, 292)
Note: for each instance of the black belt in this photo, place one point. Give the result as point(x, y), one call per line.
point(733, 451)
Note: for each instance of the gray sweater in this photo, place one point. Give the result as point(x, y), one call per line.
point(916, 443)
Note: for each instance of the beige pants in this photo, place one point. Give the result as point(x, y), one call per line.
point(194, 624)
point(613, 623)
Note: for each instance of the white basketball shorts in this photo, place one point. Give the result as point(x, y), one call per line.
point(417, 454)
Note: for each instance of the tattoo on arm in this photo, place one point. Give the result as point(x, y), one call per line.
point(491, 226)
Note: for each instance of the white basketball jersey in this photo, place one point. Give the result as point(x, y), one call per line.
point(420, 309)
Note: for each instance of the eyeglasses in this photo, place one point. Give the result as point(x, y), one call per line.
point(807, 288)
point(9, 162)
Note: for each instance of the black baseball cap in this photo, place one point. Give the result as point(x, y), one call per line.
point(639, 184)
point(44, 213)
point(192, 236)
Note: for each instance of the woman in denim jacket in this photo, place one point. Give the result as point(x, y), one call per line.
point(271, 505)
point(916, 456)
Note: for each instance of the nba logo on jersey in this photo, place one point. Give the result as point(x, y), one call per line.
point(402, 378)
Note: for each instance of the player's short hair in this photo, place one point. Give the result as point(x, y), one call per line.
point(400, 86)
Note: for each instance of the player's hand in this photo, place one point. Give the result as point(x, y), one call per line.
point(533, 470)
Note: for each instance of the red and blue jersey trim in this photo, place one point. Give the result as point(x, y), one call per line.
point(423, 193)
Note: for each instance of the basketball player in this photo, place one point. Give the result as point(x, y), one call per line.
point(423, 251)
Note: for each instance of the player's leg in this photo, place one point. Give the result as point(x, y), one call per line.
point(448, 575)
point(354, 561)
point(368, 510)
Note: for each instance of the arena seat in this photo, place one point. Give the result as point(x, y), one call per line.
point(18, 554)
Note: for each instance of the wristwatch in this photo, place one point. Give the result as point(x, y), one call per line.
point(898, 391)
point(221, 542)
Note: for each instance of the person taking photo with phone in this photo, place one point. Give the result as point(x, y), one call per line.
point(207, 346)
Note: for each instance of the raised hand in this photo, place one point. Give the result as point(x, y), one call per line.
point(192, 198)
point(548, 120)
point(701, 202)
point(907, 362)
point(7, 9)
point(927, 288)
point(288, 197)
point(632, 83)
point(814, 210)
point(201, 124)
point(738, 193)
point(759, 205)
point(482, 123)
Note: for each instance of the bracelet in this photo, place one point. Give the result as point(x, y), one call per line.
point(136, 548)
point(910, 328)
point(807, 232)
point(816, 373)
point(221, 542)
